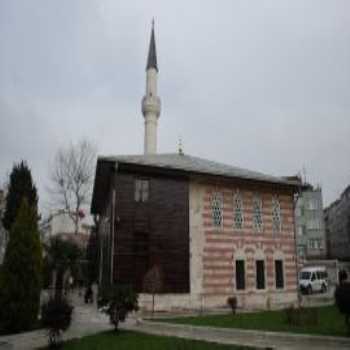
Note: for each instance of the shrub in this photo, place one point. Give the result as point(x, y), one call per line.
point(153, 282)
point(56, 316)
point(120, 300)
point(310, 316)
point(302, 316)
point(232, 302)
point(292, 316)
point(342, 300)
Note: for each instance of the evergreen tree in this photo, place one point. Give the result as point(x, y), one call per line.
point(20, 186)
point(21, 275)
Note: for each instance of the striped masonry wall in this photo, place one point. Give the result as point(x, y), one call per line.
point(226, 244)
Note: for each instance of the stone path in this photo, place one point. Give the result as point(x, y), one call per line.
point(258, 339)
point(87, 321)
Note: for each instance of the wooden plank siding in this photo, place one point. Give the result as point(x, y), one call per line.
point(153, 232)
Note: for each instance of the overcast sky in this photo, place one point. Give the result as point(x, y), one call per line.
point(263, 85)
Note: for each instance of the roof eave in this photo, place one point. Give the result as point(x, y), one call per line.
point(103, 168)
point(124, 165)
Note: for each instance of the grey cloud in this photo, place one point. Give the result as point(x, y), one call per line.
point(259, 84)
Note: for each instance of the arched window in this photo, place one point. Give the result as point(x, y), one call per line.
point(276, 215)
point(238, 210)
point(217, 209)
point(257, 213)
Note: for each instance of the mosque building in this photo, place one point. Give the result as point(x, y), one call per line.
point(213, 230)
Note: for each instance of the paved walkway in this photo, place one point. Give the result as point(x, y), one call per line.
point(87, 321)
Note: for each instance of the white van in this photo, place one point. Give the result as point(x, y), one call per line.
point(313, 279)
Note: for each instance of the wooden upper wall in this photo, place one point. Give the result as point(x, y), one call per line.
point(154, 232)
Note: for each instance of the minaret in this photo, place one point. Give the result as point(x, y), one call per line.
point(151, 102)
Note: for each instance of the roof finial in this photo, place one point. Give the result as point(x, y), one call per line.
point(181, 152)
point(152, 23)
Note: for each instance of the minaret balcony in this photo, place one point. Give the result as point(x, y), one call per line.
point(151, 104)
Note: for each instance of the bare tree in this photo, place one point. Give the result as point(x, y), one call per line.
point(153, 282)
point(72, 176)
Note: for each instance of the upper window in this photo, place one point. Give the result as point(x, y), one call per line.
point(314, 224)
point(301, 230)
point(315, 243)
point(276, 215)
point(313, 204)
point(238, 210)
point(301, 250)
point(141, 190)
point(257, 213)
point(311, 243)
point(217, 208)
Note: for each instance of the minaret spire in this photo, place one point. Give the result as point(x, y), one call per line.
point(152, 53)
point(151, 102)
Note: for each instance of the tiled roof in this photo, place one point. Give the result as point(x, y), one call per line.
point(196, 165)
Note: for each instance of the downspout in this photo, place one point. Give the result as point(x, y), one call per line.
point(112, 234)
point(101, 244)
point(113, 221)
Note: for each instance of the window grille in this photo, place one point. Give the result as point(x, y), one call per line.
point(238, 210)
point(276, 215)
point(141, 190)
point(217, 209)
point(257, 213)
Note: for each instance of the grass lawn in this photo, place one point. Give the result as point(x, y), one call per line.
point(330, 322)
point(124, 340)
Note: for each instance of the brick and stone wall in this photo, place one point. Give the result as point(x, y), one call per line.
point(214, 251)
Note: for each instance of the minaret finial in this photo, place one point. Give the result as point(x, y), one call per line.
point(153, 23)
point(181, 152)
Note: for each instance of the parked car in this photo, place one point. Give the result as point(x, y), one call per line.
point(313, 279)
